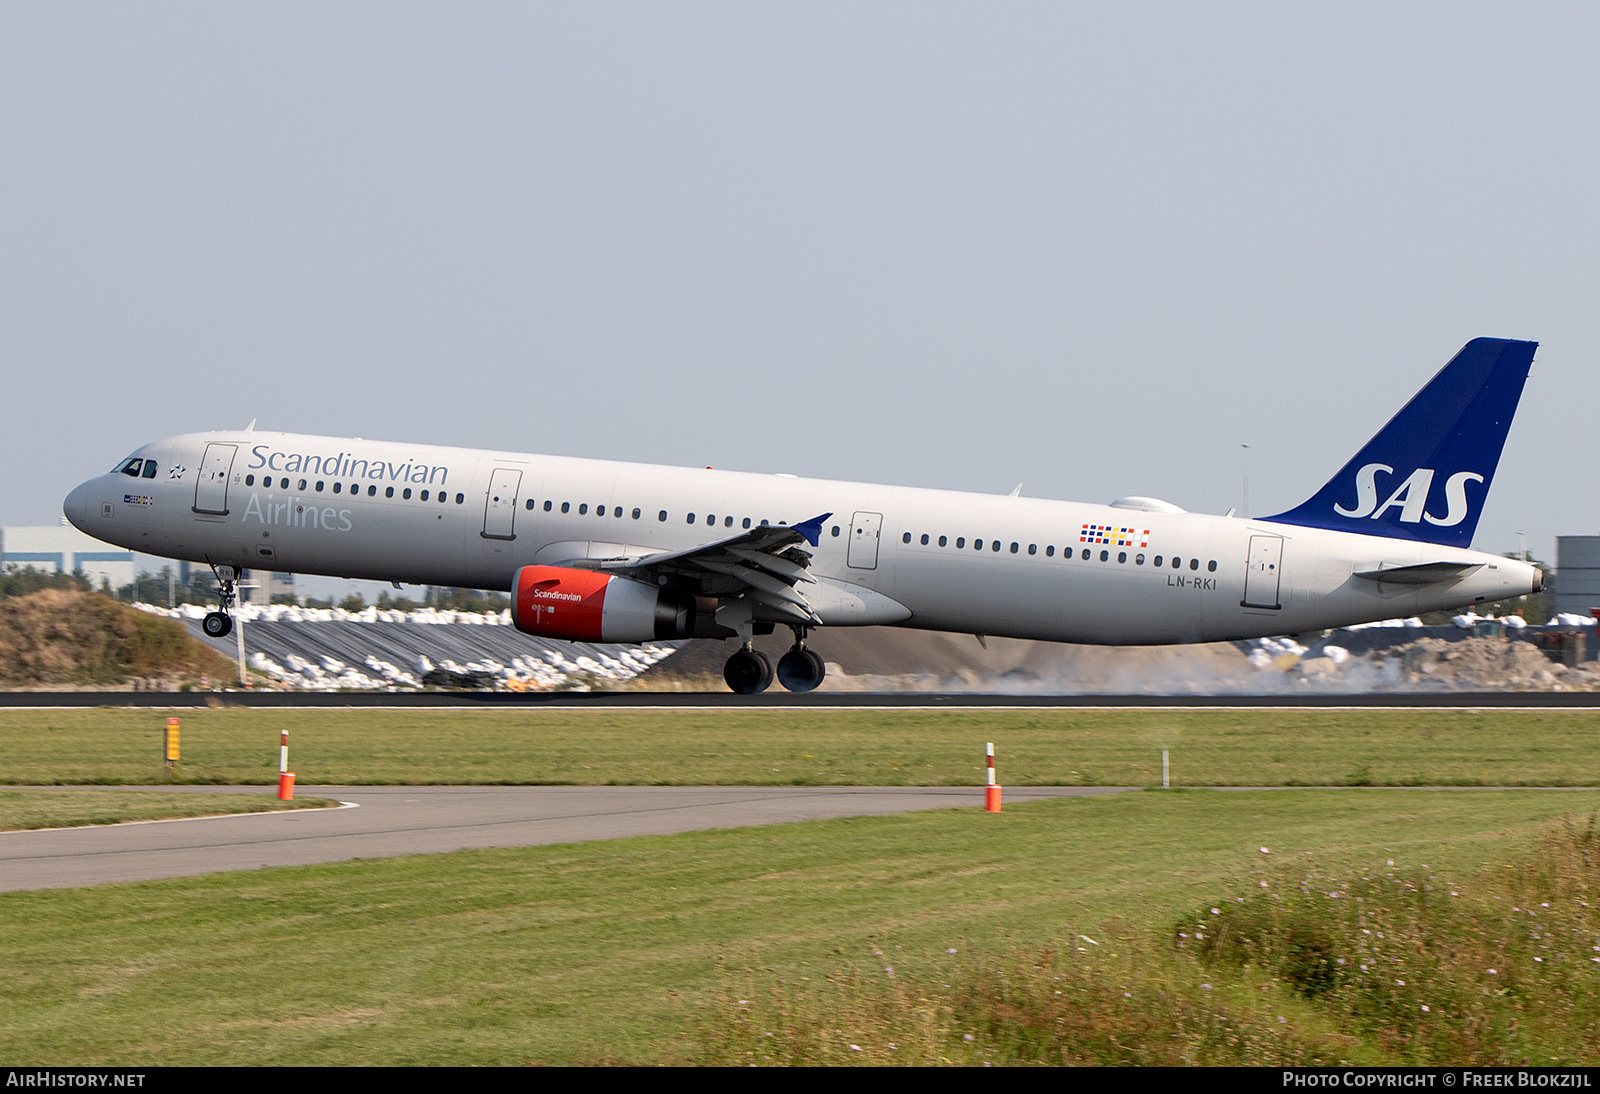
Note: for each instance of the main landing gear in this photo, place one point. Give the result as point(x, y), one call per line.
point(219, 624)
point(748, 672)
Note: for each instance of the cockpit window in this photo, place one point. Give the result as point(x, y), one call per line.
point(132, 467)
point(149, 469)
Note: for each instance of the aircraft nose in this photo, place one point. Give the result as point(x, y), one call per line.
point(76, 507)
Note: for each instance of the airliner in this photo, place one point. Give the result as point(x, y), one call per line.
point(599, 551)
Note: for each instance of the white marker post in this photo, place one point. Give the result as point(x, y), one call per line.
point(991, 792)
point(285, 776)
point(1166, 779)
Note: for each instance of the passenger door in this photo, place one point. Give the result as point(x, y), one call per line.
point(1264, 572)
point(211, 488)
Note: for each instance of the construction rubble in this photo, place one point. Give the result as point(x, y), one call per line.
point(329, 649)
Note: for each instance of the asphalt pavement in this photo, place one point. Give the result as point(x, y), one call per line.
point(384, 821)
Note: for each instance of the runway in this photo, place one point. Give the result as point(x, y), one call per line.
point(781, 700)
point(385, 821)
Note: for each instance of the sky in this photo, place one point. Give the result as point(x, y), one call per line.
point(1091, 248)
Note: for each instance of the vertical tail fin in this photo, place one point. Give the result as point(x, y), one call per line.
point(1425, 475)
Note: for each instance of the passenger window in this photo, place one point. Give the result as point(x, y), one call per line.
point(150, 469)
point(249, 480)
point(961, 541)
point(565, 506)
point(1033, 548)
point(284, 483)
point(406, 494)
point(372, 492)
point(423, 496)
point(1158, 560)
point(727, 522)
point(1122, 556)
point(905, 538)
point(1176, 562)
point(1014, 547)
point(835, 530)
point(547, 505)
point(583, 510)
point(1086, 554)
point(1105, 556)
point(943, 541)
point(1138, 560)
point(747, 522)
point(1194, 564)
point(1212, 566)
point(636, 514)
point(1050, 551)
point(461, 499)
point(388, 492)
point(662, 516)
point(711, 519)
point(443, 497)
point(530, 504)
point(690, 520)
point(977, 545)
point(337, 487)
point(924, 539)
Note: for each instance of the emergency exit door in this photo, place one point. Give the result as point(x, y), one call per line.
point(864, 529)
point(500, 506)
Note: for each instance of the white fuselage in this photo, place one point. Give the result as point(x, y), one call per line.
point(891, 555)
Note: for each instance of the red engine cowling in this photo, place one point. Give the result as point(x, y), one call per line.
point(586, 606)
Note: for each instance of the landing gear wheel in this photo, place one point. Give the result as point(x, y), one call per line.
point(217, 625)
point(801, 669)
point(748, 672)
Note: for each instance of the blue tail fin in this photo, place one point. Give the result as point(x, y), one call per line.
point(1426, 474)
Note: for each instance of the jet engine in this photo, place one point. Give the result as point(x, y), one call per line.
point(587, 606)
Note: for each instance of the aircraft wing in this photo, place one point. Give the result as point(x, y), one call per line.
point(767, 564)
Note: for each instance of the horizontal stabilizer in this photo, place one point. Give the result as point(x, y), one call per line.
point(1426, 573)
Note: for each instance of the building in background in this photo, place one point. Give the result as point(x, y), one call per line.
point(63, 549)
point(268, 587)
point(1577, 574)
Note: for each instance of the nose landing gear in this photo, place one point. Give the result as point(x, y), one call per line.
point(219, 624)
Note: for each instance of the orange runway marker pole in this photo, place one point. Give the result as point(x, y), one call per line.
point(285, 776)
point(991, 792)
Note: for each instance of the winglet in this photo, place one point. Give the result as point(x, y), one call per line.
point(812, 529)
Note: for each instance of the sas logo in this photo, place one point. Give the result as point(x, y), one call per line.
point(1410, 497)
point(138, 499)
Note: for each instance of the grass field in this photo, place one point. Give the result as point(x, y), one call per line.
point(640, 950)
point(813, 747)
point(34, 808)
point(625, 949)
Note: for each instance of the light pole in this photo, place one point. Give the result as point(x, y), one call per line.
point(1244, 510)
point(238, 628)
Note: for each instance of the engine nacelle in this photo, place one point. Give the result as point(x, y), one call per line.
point(587, 606)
